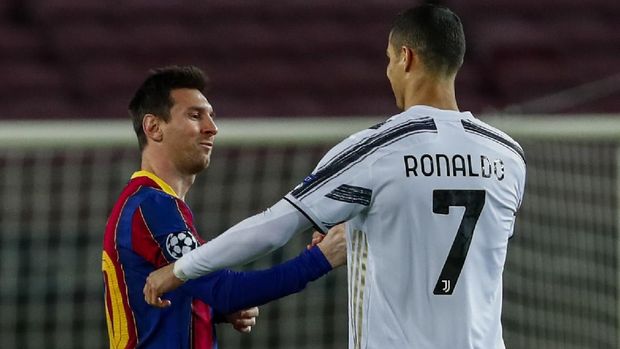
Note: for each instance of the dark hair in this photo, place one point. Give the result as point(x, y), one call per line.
point(153, 96)
point(435, 32)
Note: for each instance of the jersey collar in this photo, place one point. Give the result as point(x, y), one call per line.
point(421, 109)
point(163, 185)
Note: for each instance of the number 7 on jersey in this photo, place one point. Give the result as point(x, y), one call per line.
point(473, 201)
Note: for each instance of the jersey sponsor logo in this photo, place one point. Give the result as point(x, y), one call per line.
point(180, 243)
point(351, 194)
point(456, 165)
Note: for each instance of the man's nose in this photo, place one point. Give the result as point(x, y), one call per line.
point(210, 126)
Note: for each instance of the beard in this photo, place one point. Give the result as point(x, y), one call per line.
point(194, 164)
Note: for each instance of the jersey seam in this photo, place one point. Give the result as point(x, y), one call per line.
point(151, 235)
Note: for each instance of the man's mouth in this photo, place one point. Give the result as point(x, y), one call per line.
point(206, 145)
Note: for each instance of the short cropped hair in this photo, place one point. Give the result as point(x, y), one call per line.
point(435, 33)
point(153, 96)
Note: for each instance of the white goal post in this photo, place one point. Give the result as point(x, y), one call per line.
point(307, 130)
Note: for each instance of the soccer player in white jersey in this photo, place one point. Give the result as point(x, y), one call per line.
point(430, 198)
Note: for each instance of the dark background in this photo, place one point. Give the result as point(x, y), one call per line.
point(84, 59)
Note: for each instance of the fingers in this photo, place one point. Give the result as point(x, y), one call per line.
point(251, 312)
point(152, 297)
point(159, 282)
point(335, 235)
point(334, 246)
point(161, 303)
point(316, 239)
point(337, 229)
point(243, 320)
point(317, 236)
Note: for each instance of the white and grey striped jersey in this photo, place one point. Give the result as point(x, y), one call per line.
point(430, 197)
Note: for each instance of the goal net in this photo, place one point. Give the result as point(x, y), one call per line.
point(59, 181)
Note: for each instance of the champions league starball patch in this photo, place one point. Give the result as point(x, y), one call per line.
point(178, 244)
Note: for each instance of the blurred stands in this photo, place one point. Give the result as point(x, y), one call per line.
point(81, 59)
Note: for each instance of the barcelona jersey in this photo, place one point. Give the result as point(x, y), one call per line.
point(150, 227)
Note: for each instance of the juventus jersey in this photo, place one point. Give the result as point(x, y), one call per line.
point(430, 197)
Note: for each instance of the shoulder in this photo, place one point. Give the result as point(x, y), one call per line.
point(501, 138)
point(477, 124)
point(149, 194)
point(151, 201)
point(378, 136)
point(156, 201)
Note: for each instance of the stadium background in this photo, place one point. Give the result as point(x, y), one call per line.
point(79, 61)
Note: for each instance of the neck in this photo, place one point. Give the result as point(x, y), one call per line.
point(166, 170)
point(431, 91)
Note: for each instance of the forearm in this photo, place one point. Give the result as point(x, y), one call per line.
point(228, 291)
point(245, 241)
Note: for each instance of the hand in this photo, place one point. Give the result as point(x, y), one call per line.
point(316, 238)
point(159, 282)
point(243, 320)
point(334, 246)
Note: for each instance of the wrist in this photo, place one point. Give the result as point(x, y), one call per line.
point(320, 259)
point(326, 252)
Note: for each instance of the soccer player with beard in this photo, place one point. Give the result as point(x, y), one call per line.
point(151, 226)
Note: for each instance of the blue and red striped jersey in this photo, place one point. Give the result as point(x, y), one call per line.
point(150, 227)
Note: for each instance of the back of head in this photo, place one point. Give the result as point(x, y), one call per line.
point(153, 96)
point(435, 33)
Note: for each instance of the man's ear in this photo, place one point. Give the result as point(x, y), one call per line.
point(151, 124)
point(409, 58)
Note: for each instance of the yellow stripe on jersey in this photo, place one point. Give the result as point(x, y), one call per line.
point(163, 185)
point(116, 317)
